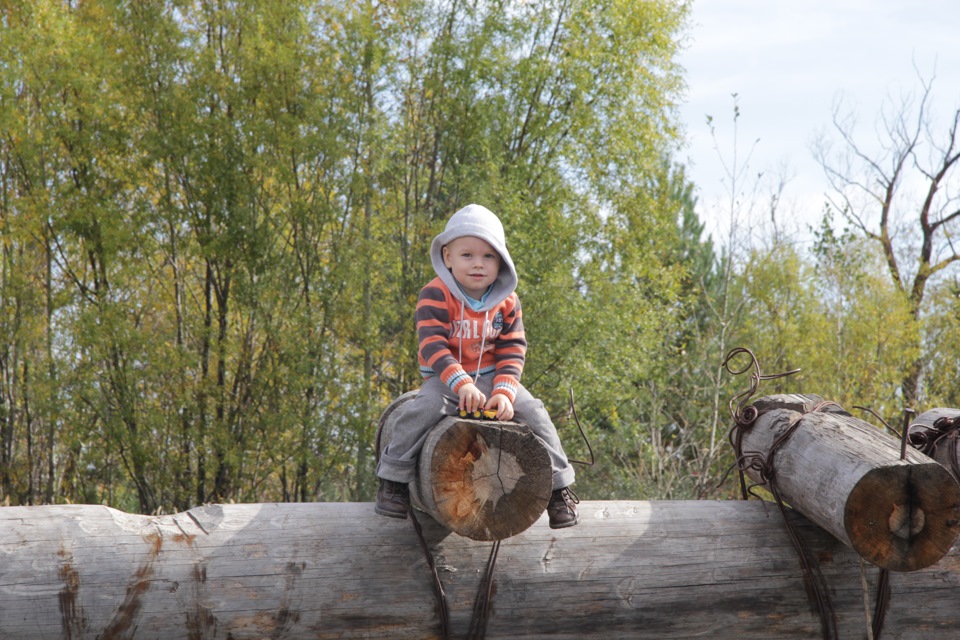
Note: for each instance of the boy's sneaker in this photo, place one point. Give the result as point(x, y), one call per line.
point(393, 499)
point(562, 508)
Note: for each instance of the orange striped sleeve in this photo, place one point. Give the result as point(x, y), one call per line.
point(433, 329)
point(511, 350)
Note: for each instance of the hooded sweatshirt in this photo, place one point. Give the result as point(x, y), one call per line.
point(462, 338)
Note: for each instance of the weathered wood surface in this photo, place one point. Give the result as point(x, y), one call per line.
point(485, 480)
point(630, 569)
point(846, 475)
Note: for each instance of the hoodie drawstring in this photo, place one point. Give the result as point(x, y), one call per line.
point(460, 352)
point(483, 339)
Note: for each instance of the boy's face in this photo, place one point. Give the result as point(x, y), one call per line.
point(474, 263)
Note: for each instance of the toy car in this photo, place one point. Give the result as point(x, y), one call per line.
point(479, 414)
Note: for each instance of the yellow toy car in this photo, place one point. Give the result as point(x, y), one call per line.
point(479, 414)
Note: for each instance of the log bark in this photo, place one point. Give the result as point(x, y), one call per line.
point(630, 569)
point(485, 480)
point(847, 476)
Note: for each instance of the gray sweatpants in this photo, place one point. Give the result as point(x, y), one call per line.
point(434, 401)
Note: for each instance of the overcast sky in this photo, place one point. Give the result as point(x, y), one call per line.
point(789, 63)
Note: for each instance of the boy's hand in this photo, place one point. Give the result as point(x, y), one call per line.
point(471, 398)
point(502, 405)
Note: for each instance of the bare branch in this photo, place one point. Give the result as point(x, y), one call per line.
point(950, 158)
point(943, 264)
point(873, 191)
point(949, 218)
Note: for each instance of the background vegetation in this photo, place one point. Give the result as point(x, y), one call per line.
point(215, 215)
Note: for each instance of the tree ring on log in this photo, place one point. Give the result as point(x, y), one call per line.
point(903, 517)
point(484, 480)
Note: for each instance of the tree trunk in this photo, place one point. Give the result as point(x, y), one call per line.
point(484, 480)
point(848, 476)
point(630, 569)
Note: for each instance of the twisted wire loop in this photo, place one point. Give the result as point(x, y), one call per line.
point(744, 416)
point(944, 434)
point(745, 413)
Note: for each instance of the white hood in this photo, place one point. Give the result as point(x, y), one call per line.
point(476, 220)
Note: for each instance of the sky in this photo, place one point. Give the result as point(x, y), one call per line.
point(790, 64)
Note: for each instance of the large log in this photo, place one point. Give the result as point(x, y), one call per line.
point(486, 480)
point(630, 569)
point(848, 476)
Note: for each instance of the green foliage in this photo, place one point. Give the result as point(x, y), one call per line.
point(943, 339)
point(215, 220)
point(868, 334)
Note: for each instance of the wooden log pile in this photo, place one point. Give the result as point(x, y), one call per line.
point(631, 569)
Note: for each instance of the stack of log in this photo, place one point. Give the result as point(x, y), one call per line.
point(666, 569)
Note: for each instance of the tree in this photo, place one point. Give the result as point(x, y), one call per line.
point(903, 198)
point(865, 333)
point(215, 219)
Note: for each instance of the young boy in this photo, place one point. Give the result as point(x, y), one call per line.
point(472, 350)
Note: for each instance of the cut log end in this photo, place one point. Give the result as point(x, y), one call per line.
point(485, 480)
point(489, 480)
point(905, 517)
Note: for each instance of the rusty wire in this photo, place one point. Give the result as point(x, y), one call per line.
point(944, 433)
point(744, 415)
point(576, 418)
point(903, 436)
point(481, 605)
point(443, 609)
point(921, 441)
point(882, 603)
